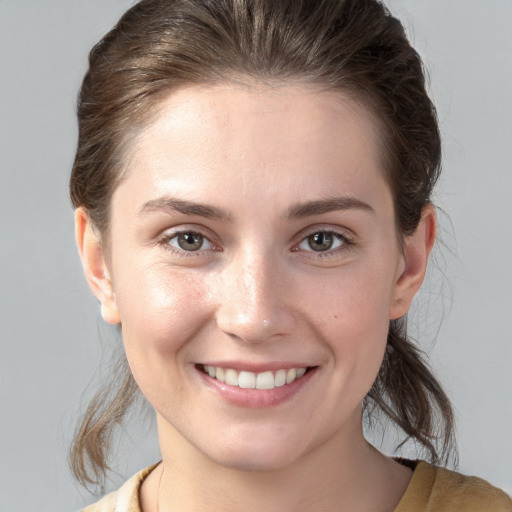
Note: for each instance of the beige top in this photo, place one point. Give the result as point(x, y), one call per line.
point(432, 489)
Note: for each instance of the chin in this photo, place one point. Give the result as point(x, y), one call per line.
point(254, 461)
point(270, 452)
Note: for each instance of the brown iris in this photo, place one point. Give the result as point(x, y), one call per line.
point(190, 241)
point(321, 241)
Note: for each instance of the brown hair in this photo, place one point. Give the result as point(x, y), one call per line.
point(354, 46)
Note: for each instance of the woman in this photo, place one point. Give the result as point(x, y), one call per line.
point(252, 189)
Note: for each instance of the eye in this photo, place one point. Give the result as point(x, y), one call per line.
point(322, 241)
point(190, 241)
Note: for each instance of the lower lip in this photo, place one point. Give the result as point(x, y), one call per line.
point(257, 398)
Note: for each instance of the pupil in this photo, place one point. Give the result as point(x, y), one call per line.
point(190, 241)
point(320, 241)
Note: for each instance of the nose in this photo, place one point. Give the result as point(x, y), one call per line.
point(253, 299)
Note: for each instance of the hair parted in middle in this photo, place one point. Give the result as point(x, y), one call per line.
point(352, 46)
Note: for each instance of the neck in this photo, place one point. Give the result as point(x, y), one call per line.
point(344, 473)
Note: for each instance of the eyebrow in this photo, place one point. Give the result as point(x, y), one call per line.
point(331, 204)
point(298, 210)
point(166, 203)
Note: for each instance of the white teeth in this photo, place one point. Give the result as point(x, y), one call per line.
point(265, 380)
point(291, 375)
point(220, 374)
point(247, 380)
point(251, 380)
point(231, 377)
point(280, 378)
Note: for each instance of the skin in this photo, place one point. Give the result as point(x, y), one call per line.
point(256, 293)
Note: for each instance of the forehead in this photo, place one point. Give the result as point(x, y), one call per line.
point(248, 137)
point(222, 110)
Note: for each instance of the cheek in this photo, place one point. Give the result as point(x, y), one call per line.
point(160, 312)
point(351, 311)
point(355, 299)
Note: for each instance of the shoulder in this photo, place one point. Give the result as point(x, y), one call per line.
point(435, 489)
point(125, 499)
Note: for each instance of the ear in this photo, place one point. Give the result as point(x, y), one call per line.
point(414, 264)
point(95, 268)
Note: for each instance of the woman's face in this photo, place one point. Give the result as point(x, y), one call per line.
point(254, 239)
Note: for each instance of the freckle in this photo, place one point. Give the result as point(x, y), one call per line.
point(335, 316)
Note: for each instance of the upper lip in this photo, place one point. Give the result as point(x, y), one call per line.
point(256, 367)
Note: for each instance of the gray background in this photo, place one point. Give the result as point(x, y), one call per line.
point(50, 325)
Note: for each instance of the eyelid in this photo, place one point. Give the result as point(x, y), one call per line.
point(342, 234)
point(338, 241)
point(175, 237)
point(169, 234)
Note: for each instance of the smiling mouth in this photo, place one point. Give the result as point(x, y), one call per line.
point(250, 380)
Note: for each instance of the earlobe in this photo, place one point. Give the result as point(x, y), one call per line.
point(415, 260)
point(95, 268)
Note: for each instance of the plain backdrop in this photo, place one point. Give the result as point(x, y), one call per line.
point(50, 325)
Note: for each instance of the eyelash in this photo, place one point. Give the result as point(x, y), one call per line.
point(165, 242)
point(345, 243)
